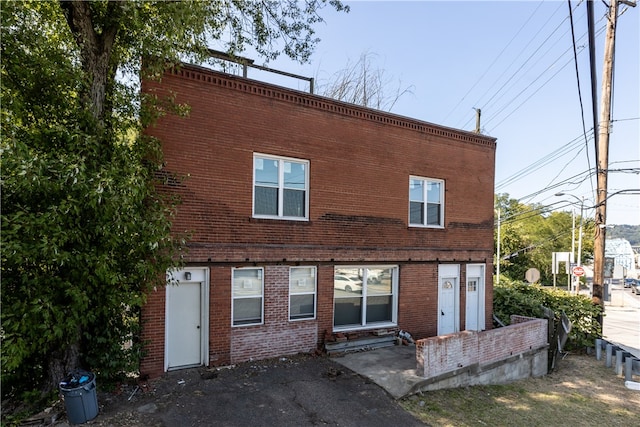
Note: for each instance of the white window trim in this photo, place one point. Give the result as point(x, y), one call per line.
point(314, 293)
point(394, 309)
point(281, 188)
point(442, 192)
point(233, 298)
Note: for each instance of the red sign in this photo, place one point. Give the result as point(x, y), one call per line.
point(578, 271)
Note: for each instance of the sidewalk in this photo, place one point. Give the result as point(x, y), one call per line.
point(392, 368)
point(621, 323)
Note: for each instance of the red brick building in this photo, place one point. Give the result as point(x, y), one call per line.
point(312, 218)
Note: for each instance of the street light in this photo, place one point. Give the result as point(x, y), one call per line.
point(581, 200)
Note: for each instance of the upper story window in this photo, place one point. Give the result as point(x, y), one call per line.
point(280, 187)
point(426, 202)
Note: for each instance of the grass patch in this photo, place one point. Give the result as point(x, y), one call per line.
point(582, 391)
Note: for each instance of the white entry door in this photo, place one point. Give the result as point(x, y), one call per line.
point(474, 312)
point(448, 299)
point(186, 325)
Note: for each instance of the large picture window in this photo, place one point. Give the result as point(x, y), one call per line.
point(280, 187)
point(365, 296)
point(426, 207)
point(302, 293)
point(248, 286)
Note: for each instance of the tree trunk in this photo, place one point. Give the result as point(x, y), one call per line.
point(95, 50)
point(61, 364)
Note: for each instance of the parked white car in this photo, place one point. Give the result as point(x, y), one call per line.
point(347, 283)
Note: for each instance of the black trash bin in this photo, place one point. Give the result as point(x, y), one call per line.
point(80, 398)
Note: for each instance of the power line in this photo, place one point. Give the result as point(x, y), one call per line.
point(575, 59)
point(536, 245)
point(513, 99)
point(535, 166)
point(512, 111)
point(493, 63)
point(583, 175)
point(505, 87)
point(501, 93)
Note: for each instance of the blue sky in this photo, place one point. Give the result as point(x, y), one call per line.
point(514, 61)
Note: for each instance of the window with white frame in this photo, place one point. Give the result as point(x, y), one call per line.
point(365, 296)
point(248, 306)
point(302, 293)
point(280, 187)
point(426, 202)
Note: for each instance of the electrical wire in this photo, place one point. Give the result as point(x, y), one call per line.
point(565, 167)
point(519, 73)
point(504, 85)
point(545, 160)
point(493, 63)
point(585, 176)
point(498, 95)
point(575, 59)
point(518, 95)
point(534, 210)
point(534, 246)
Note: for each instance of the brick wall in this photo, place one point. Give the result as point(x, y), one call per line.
point(153, 332)
point(439, 355)
point(359, 176)
point(277, 336)
point(220, 316)
point(418, 300)
point(360, 161)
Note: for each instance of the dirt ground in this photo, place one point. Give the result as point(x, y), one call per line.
point(309, 390)
point(301, 390)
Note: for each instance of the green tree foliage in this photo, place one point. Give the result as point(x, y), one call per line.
point(529, 234)
point(625, 231)
point(515, 297)
point(85, 233)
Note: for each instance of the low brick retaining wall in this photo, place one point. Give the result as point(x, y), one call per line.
point(448, 353)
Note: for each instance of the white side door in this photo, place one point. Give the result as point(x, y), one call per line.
point(186, 319)
point(471, 313)
point(474, 312)
point(448, 299)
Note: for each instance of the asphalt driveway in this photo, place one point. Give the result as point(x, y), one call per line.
point(287, 391)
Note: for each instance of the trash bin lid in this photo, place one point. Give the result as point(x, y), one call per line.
point(76, 379)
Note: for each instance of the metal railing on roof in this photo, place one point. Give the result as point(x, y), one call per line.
point(248, 63)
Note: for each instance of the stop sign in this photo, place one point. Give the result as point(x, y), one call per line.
point(578, 271)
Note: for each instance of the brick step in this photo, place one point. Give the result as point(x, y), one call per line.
point(367, 343)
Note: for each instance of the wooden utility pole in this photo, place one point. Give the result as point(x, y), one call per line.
point(603, 158)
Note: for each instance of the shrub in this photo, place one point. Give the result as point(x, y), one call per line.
point(513, 297)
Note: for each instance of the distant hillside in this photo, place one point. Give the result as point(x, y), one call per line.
point(629, 232)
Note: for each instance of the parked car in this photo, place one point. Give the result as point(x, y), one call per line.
point(635, 286)
point(345, 283)
point(628, 282)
